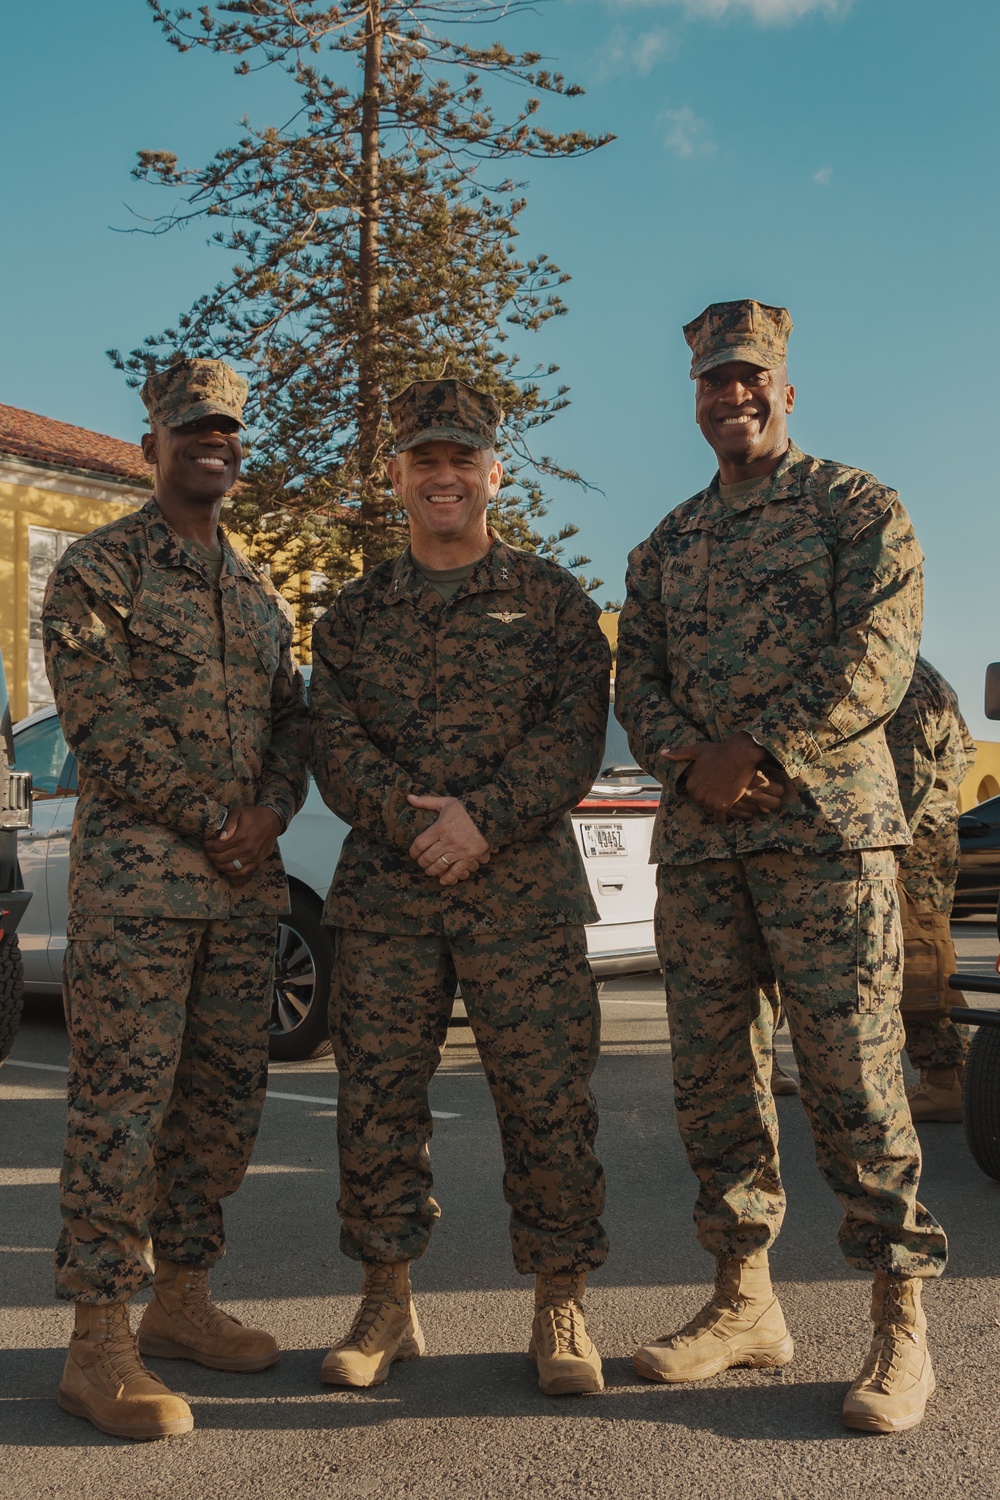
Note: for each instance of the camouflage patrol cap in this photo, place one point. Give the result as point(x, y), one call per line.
point(193, 388)
point(746, 330)
point(444, 410)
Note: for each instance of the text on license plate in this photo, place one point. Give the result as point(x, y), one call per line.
point(603, 838)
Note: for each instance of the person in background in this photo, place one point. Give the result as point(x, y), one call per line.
point(932, 751)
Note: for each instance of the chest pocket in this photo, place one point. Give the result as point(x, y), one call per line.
point(158, 633)
point(385, 679)
point(790, 571)
point(516, 680)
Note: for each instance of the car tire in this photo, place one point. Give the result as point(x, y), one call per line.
point(303, 963)
point(981, 1100)
point(11, 992)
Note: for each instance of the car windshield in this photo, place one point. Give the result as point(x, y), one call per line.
point(617, 755)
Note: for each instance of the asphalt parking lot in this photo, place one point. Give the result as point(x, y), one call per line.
point(468, 1419)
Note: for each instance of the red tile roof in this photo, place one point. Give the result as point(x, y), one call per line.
point(24, 434)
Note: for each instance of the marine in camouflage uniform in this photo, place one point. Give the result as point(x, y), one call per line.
point(170, 663)
point(932, 751)
point(769, 631)
point(459, 701)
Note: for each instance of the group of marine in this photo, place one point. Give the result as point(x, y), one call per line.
point(809, 760)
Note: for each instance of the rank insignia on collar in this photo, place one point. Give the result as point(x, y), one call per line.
point(505, 616)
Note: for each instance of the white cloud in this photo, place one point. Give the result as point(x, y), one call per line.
point(624, 52)
point(687, 134)
point(823, 176)
point(766, 12)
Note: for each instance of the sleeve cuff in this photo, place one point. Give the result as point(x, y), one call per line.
point(496, 819)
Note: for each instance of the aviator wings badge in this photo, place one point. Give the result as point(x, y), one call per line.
point(505, 616)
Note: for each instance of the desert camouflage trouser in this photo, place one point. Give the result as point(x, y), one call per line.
point(936, 1043)
point(826, 928)
point(167, 1022)
point(532, 1005)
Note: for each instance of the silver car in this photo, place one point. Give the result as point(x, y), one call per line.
point(613, 827)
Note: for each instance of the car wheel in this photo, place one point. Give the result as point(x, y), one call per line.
point(981, 1100)
point(303, 961)
point(11, 992)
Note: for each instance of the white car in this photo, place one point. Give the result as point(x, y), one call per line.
point(613, 827)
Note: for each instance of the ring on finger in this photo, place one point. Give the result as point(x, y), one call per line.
point(237, 864)
point(444, 860)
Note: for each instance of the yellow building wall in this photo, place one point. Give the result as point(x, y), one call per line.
point(22, 506)
point(983, 780)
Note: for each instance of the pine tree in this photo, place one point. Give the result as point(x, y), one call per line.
point(369, 251)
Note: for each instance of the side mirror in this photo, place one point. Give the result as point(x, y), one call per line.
point(993, 690)
point(972, 827)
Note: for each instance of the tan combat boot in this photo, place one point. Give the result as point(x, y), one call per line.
point(105, 1380)
point(742, 1324)
point(568, 1364)
point(937, 1097)
point(896, 1381)
point(781, 1083)
point(384, 1330)
point(182, 1322)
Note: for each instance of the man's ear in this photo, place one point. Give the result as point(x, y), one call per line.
point(394, 469)
point(789, 397)
point(148, 445)
point(496, 475)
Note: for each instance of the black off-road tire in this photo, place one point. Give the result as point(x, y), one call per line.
point(981, 1100)
point(11, 993)
point(300, 1011)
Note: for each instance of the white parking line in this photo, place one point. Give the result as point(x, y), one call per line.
point(17, 1062)
point(315, 1099)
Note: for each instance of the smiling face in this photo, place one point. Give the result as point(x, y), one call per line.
point(741, 410)
point(197, 464)
point(446, 488)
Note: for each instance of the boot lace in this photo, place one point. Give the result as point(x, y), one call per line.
point(564, 1325)
point(708, 1316)
point(377, 1294)
point(198, 1304)
point(120, 1355)
point(892, 1337)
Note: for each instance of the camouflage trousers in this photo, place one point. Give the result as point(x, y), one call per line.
point(929, 876)
point(826, 930)
point(532, 1005)
point(167, 1021)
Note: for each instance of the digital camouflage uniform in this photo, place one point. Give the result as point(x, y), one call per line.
point(498, 697)
point(791, 612)
point(932, 751)
point(180, 699)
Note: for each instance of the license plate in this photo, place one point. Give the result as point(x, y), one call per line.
point(603, 838)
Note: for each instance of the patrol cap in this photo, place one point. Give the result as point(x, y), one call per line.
point(193, 388)
point(444, 411)
point(745, 330)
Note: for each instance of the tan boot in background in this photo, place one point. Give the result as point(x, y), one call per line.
point(937, 1097)
point(781, 1083)
point(742, 1324)
point(105, 1381)
point(896, 1381)
point(182, 1322)
point(385, 1330)
point(568, 1364)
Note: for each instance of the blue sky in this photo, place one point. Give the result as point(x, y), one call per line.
point(838, 158)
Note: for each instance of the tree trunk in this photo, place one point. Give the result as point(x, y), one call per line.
point(369, 385)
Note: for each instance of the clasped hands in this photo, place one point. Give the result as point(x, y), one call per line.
point(452, 848)
point(724, 778)
point(243, 842)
